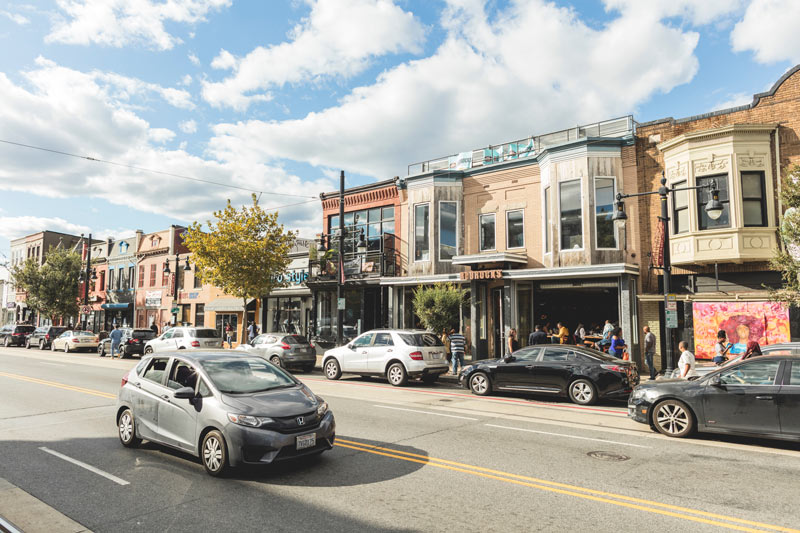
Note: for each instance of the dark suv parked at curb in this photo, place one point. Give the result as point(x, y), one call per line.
point(132, 342)
point(15, 334)
point(43, 336)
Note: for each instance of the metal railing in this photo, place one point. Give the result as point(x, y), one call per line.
point(524, 148)
point(381, 262)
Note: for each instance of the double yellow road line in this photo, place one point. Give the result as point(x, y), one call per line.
point(60, 385)
point(620, 500)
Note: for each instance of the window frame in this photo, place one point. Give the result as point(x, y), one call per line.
point(426, 205)
point(547, 200)
point(762, 199)
point(705, 194)
point(480, 232)
point(675, 209)
point(455, 232)
point(508, 235)
point(560, 234)
point(597, 246)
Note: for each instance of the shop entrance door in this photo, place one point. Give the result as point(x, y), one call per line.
point(498, 329)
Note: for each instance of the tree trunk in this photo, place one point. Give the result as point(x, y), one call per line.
point(243, 339)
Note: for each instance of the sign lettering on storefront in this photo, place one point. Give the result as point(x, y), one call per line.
point(293, 277)
point(482, 274)
point(189, 295)
point(152, 299)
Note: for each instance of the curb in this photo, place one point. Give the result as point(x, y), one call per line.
point(21, 512)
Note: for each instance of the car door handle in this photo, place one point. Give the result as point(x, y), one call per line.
point(364, 352)
point(389, 350)
point(530, 367)
point(165, 397)
point(137, 384)
point(765, 398)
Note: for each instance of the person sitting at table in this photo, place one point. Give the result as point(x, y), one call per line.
point(538, 336)
point(608, 331)
point(563, 333)
point(618, 346)
point(580, 333)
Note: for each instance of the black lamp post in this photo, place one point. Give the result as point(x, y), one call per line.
point(85, 277)
point(713, 209)
point(186, 268)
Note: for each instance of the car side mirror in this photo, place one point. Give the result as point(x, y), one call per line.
point(184, 393)
point(716, 381)
point(351, 346)
point(509, 359)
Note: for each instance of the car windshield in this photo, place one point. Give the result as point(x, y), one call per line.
point(25, 329)
point(597, 355)
point(420, 340)
point(203, 333)
point(295, 339)
point(244, 375)
point(143, 334)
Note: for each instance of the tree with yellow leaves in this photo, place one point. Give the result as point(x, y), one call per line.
point(242, 252)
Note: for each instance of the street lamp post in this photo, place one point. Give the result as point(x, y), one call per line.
point(713, 209)
point(88, 275)
point(186, 268)
point(340, 270)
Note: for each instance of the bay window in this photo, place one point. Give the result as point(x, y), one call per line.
point(571, 215)
point(704, 195)
point(487, 232)
point(604, 209)
point(754, 204)
point(448, 230)
point(422, 232)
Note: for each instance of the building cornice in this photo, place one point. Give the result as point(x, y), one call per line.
point(716, 133)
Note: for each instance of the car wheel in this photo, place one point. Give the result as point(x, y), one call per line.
point(582, 392)
point(53, 346)
point(5, 342)
point(66, 347)
point(275, 360)
point(28, 344)
point(308, 369)
point(127, 430)
point(397, 375)
point(42, 344)
point(332, 369)
point(479, 384)
point(430, 380)
point(214, 454)
point(673, 418)
point(148, 350)
point(101, 350)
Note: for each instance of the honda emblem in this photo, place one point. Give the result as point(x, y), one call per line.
point(301, 421)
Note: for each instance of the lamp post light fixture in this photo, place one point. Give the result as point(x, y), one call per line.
point(713, 209)
point(186, 268)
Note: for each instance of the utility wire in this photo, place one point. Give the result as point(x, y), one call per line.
point(133, 167)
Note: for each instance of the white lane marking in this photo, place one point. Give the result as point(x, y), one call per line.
point(569, 436)
point(424, 412)
point(90, 468)
point(53, 364)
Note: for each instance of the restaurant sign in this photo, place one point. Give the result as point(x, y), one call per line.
point(482, 274)
point(152, 299)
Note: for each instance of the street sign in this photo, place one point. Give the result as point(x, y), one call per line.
point(672, 302)
point(672, 318)
point(174, 310)
point(86, 309)
point(340, 305)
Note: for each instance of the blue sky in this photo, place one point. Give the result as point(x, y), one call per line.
point(277, 97)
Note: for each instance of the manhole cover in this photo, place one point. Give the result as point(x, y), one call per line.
point(608, 456)
point(445, 400)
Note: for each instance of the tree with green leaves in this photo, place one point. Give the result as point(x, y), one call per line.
point(438, 306)
point(787, 257)
point(243, 252)
point(52, 288)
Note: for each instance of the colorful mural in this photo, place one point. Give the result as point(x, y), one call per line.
point(763, 322)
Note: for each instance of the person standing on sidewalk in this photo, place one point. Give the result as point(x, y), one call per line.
point(251, 332)
point(229, 335)
point(687, 362)
point(538, 336)
point(650, 350)
point(446, 341)
point(116, 338)
point(457, 345)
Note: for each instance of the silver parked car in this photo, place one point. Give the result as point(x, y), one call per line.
point(288, 351)
point(226, 408)
point(184, 338)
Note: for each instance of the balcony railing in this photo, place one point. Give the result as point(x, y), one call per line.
point(381, 261)
point(524, 148)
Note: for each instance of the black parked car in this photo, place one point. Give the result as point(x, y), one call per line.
point(132, 342)
point(579, 373)
point(758, 397)
point(43, 336)
point(14, 334)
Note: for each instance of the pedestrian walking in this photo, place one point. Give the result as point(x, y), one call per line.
point(563, 333)
point(229, 334)
point(538, 336)
point(721, 347)
point(251, 332)
point(457, 345)
point(650, 351)
point(446, 341)
point(618, 346)
point(116, 338)
point(512, 344)
point(686, 363)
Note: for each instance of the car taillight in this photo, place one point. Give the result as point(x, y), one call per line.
point(74, 339)
point(47, 336)
point(16, 334)
point(416, 356)
point(125, 379)
point(286, 346)
point(195, 344)
point(615, 368)
point(311, 344)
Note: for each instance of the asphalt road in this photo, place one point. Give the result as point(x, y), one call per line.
point(421, 458)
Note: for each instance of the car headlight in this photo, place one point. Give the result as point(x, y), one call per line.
point(247, 420)
point(322, 408)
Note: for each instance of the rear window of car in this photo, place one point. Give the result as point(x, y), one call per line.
point(203, 333)
point(24, 329)
point(295, 339)
point(143, 334)
point(57, 331)
point(420, 340)
point(83, 334)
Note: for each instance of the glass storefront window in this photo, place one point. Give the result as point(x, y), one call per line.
point(222, 319)
point(285, 315)
point(326, 314)
point(524, 313)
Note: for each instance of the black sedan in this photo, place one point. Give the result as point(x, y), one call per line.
point(581, 374)
point(757, 397)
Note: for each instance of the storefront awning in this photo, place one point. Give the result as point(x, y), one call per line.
point(482, 259)
point(115, 306)
point(226, 304)
point(290, 291)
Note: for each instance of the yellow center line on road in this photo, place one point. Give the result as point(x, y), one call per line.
point(60, 385)
point(570, 490)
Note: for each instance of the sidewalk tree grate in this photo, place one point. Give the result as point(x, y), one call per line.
point(608, 456)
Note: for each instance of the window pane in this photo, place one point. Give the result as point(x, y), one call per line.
point(447, 230)
point(704, 195)
point(388, 227)
point(753, 198)
point(547, 220)
point(753, 373)
point(753, 214)
point(680, 198)
point(388, 213)
point(421, 237)
point(487, 232)
point(604, 210)
point(374, 230)
point(571, 216)
point(334, 222)
point(360, 217)
point(348, 219)
point(375, 215)
point(682, 221)
point(751, 184)
point(515, 228)
point(374, 244)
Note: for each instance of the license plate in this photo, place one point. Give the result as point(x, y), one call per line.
point(306, 441)
point(211, 343)
point(437, 355)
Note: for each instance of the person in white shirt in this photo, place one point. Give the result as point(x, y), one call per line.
point(686, 363)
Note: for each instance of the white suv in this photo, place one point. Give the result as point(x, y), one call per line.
point(396, 354)
point(181, 338)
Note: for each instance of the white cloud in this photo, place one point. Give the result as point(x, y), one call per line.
point(188, 126)
point(338, 38)
point(120, 23)
point(160, 135)
point(186, 80)
point(16, 18)
point(769, 30)
point(734, 100)
point(529, 68)
point(194, 60)
point(15, 227)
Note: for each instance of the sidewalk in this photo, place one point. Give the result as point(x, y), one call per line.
point(21, 512)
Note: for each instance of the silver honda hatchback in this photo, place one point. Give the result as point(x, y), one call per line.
point(225, 408)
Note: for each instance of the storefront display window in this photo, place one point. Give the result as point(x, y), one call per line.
point(524, 313)
point(224, 319)
point(285, 315)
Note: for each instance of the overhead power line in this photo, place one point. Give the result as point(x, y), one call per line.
point(163, 173)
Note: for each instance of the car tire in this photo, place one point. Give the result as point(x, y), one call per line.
point(582, 392)
point(308, 369)
point(673, 418)
point(430, 379)
point(480, 384)
point(275, 360)
point(148, 350)
point(126, 429)
point(332, 369)
point(214, 454)
point(397, 375)
point(101, 350)
point(42, 344)
point(28, 344)
point(5, 342)
point(53, 346)
point(66, 347)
